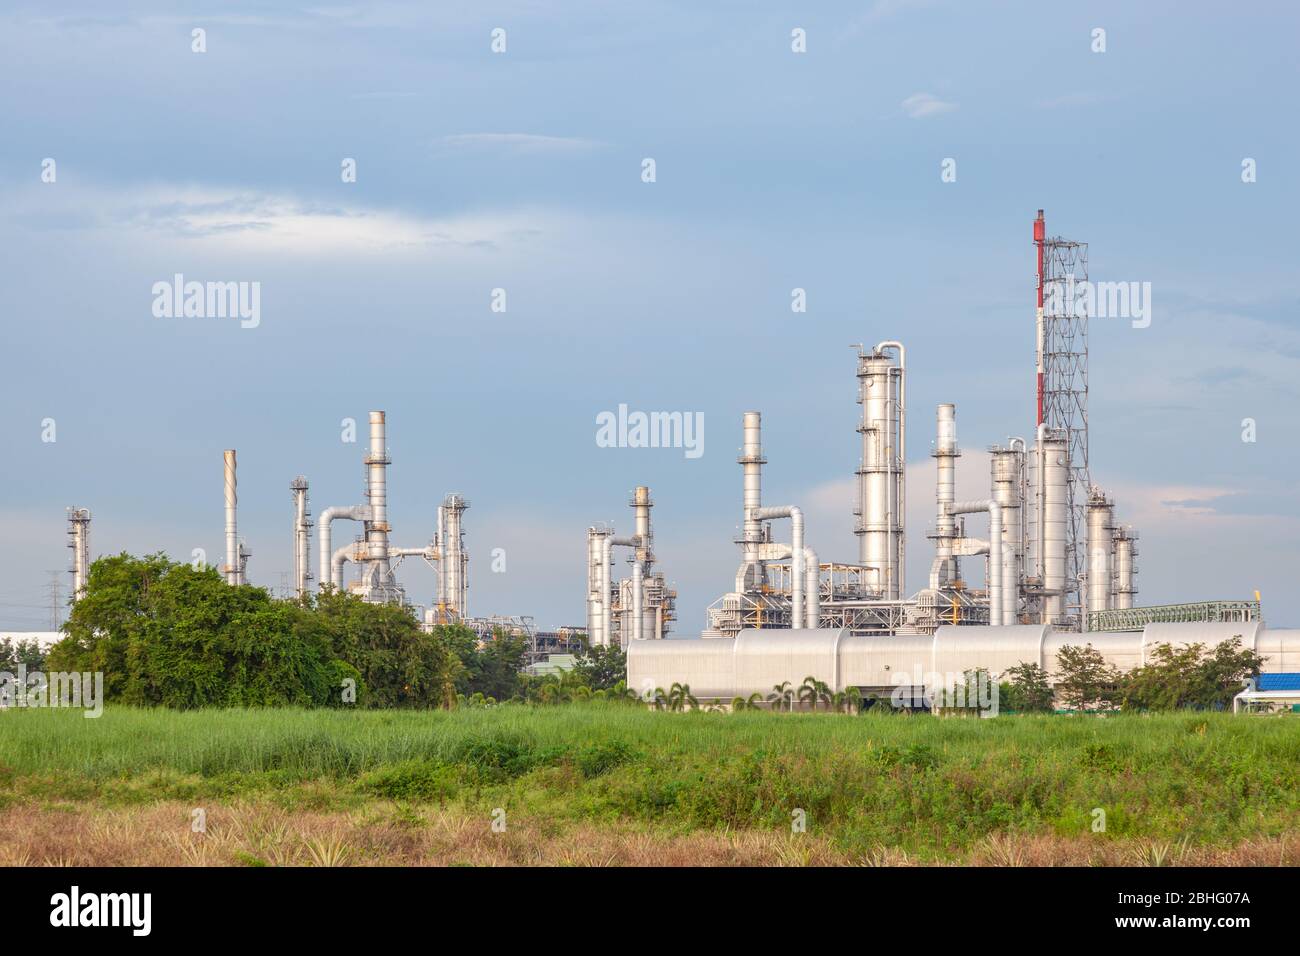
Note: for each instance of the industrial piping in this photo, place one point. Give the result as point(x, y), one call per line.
point(812, 588)
point(328, 575)
point(996, 560)
point(796, 552)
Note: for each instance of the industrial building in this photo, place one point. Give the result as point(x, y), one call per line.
point(371, 552)
point(1057, 559)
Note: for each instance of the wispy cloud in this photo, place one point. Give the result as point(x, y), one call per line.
point(265, 222)
point(519, 142)
point(921, 105)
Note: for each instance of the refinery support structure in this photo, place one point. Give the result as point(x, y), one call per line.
point(1038, 567)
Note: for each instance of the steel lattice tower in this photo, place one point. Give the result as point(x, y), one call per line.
point(1063, 382)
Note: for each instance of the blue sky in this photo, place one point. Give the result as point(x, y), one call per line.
point(521, 171)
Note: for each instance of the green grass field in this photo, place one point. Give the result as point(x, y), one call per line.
point(931, 789)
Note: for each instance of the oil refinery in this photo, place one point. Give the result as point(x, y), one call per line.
point(1059, 563)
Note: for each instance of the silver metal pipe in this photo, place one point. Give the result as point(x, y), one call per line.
point(995, 551)
point(638, 602)
point(232, 568)
point(327, 517)
point(796, 553)
point(812, 587)
point(607, 543)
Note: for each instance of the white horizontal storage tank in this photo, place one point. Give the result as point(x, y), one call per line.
point(706, 665)
point(757, 660)
point(959, 649)
point(878, 661)
point(1281, 648)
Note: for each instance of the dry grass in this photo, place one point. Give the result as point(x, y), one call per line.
point(258, 833)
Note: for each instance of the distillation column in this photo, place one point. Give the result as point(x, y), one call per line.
point(1007, 466)
point(752, 574)
point(1050, 463)
point(301, 537)
point(881, 479)
point(454, 566)
point(1101, 531)
point(944, 571)
point(1125, 544)
point(377, 576)
point(79, 542)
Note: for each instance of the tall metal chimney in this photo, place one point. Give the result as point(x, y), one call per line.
point(301, 537)
point(233, 569)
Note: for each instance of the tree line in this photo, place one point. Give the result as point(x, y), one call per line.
point(169, 634)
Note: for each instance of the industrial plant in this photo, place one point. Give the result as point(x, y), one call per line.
point(371, 553)
point(1060, 567)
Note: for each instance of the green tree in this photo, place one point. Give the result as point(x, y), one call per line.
point(1189, 677)
point(602, 666)
point(1027, 690)
point(15, 654)
point(177, 636)
point(782, 695)
point(1084, 680)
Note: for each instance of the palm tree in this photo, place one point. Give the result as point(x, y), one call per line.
point(852, 700)
point(677, 697)
point(737, 703)
point(754, 700)
point(782, 693)
point(824, 693)
point(660, 699)
point(808, 692)
point(688, 698)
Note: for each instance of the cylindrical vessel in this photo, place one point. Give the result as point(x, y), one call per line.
point(1056, 477)
point(1006, 465)
point(232, 525)
point(1125, 543)
point(946, 453)
point(377, 573)
point(301, 537)
point(454, 558)
point(1100, 555)
point(751, 460)
point(880, 474)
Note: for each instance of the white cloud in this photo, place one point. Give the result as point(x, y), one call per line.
point(519, 142)
point(921, 105)
point(251, 221)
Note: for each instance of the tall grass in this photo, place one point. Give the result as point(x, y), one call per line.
point(914, 781)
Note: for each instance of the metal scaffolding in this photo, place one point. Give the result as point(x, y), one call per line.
point(1063, 389)
point(1136, 618)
